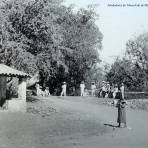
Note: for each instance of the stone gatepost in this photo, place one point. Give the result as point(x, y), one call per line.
point(19, 104)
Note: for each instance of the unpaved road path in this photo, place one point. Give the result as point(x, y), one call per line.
point(72, 122)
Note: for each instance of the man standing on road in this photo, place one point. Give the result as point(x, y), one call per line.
point(103, 89)
point(115, 91)
point(93, 89)
point(122, 90)
point(107, 90)
point(82, 87)
point(63, 93)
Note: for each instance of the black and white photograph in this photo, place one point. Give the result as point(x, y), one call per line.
point(73, 74)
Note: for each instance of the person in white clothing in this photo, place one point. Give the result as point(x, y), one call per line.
point(122, 90)
point(63, 93)
point(103, 89)
point(93, 89)
point(82, 87)
point(115, 91)
point(47, 93)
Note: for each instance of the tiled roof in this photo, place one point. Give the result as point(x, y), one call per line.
point(8, 71)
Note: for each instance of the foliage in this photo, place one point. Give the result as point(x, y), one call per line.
point(123, 71)
point(133, 68)
point(84, 38)
point(45, 36)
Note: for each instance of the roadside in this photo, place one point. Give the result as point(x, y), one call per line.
point(72, 122)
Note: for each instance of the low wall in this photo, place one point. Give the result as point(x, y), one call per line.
point(17, 105)
point(136, 95)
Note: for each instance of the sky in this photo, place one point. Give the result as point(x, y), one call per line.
point(118, 24)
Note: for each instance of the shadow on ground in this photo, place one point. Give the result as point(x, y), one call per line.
point(111, 125)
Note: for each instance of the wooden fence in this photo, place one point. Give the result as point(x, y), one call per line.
point(136, 95)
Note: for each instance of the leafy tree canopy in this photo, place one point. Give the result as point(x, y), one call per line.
point(46, 36)
point(133, 68)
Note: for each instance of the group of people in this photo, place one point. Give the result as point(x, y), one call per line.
point(40, 92)
point(107, 90)
point(82, 89)
point(111, 91)
point(117, 93)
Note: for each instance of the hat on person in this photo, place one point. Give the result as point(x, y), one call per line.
point(64, 82)
point(82, 82)
point(123, 100)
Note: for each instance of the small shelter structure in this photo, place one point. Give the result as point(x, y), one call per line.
point(6, 71)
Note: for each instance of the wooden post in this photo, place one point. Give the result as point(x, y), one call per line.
point(22, 88)
point(3, 87)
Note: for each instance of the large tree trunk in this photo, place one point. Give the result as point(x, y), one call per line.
point(3, 86)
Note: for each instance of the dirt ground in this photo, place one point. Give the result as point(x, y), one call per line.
point(72, 122)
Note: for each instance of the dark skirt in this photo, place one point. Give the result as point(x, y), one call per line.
point(103, 94)
point(121, 115)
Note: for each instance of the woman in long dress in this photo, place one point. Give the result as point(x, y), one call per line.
point(121, 105)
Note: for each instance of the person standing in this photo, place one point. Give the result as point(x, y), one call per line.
point(121, 105)
point(103, 89)
point(108, 87)
point(122, 90)
point(107, 90)
point(63, 93)
point(82, 87)
point(47, 93)
point(115, 91)
point(111, 91)
point(93, 89)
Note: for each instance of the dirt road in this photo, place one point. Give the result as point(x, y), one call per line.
point(72, 122)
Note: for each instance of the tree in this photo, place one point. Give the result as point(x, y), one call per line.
point(133, 68)
point(45, 36)
point(137, 50)
point(84, 39)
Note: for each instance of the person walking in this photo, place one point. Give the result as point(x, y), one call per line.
point(121, 105)
point(64, 86)
point(82, 87)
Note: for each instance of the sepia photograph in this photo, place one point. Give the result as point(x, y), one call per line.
point(73, 74)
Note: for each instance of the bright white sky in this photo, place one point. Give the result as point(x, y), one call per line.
point(118, 24)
